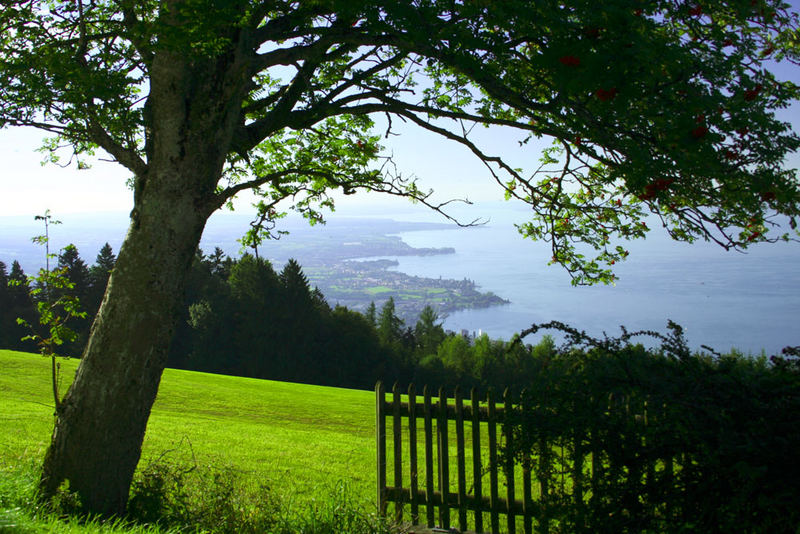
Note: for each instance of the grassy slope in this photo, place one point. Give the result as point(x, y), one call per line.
point(299, 439)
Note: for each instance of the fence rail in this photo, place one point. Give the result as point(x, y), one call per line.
point(605, 470)
point(434, 493)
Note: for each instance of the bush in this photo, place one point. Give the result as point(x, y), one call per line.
point(220, 501)
point(662, 440)
point(205, 499)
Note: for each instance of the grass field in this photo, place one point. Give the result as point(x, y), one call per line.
point(300, 440)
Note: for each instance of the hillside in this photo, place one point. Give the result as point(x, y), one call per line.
point(298, 438)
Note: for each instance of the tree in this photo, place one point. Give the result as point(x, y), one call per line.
point(658, 106)
point(77, 273)
point(297, 290)
point(98, 278)
point(6, 319)
point(18, 305)
point(389, 325)
point(427, 332)
point(372, 314)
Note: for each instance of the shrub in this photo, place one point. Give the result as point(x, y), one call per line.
point(662, 440)
point(204, 499)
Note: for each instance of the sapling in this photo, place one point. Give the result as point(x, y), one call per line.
point(56, 305)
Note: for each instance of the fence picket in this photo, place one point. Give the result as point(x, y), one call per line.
point(397, 436)
point(527, 497)
point(509, 467)
point(444, 461)
point(412, 453)
point(493, 497)
point(461, 461)
point(380, 436)
point(429, 495)
point(476, 459)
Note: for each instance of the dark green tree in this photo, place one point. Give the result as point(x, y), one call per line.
point(76, 269)
point(99, 274)
point(659, 106)
point(390, 326)
point(319, 301)
point(297, 290)
point(204, 331)
point(77, 272)
point(257, 292)
point(372, 314)
point(457, 356)
point(6, 320)
point(18, 304)
point(428, 332)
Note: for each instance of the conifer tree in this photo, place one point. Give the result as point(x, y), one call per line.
point(428, 332)
point(372, 314)
point(390, 326)
point(77, 272)
point(99, 274)
point(6, 320)
point(296, 287)
point(20, 305)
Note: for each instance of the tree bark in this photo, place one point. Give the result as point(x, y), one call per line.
point(96, 443)
point(190, 115)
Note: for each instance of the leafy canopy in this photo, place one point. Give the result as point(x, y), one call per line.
point(655, 107)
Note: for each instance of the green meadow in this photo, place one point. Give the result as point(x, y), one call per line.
point(300, 440)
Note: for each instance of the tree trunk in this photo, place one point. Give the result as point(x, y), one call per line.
point(190, 115)
point(96, 443)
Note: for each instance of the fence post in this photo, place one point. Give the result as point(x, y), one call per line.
point(412, 452)
point(476, 459)
point(380, 436)
point(492, 428)
point(461, 468)
point(397, 437)
point(544, 485)
point(527, 497)
point(444, 461)
point(429, 495)
point(509, 467)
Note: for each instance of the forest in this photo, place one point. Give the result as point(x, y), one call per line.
point(243, 317)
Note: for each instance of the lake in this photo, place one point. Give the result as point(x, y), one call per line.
point(722, 299)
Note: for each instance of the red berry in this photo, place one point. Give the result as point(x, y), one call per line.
point(593, 32)
point(751, 94)
point(606, 94)
point(570, 61)
point(696, 11)
point(699, 132)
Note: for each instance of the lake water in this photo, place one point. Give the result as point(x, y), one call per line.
point(722, 299)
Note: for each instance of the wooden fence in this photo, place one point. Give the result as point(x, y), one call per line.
point(612, 475)
point(434, 492)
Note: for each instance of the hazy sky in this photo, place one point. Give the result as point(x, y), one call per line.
point(28, 188)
